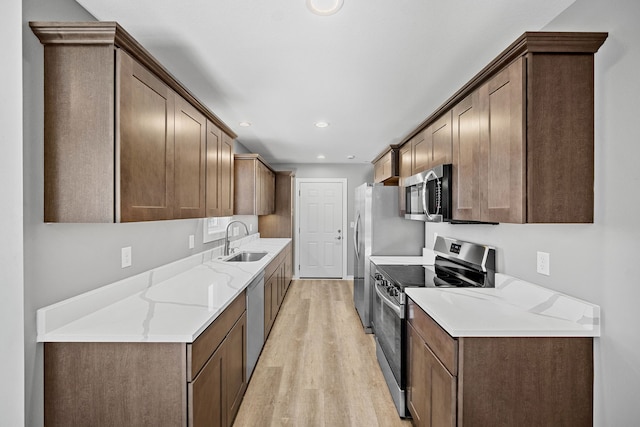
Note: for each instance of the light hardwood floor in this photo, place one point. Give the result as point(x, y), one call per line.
point(318, 367)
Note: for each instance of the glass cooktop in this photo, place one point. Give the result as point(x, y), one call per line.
point(446, 275)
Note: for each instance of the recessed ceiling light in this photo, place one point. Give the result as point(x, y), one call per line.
point(351, 157)
point(324, 7)
point(320, 156)
point(244, 124)
point(321, 124)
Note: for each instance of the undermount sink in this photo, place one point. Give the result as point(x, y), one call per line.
point(246, 257)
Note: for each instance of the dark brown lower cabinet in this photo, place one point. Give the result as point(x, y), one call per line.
point(150, 384)
point(496, 381)
point(216, 392)
point(431, 388)
point(206, 402)
point(277, 278)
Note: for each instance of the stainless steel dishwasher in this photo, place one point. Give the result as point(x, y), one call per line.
point(255, 322)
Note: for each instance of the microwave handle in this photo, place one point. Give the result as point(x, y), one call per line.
point(430, 174)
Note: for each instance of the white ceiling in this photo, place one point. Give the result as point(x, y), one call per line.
point(374, 70)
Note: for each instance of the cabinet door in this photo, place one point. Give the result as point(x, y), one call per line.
point(466, 158)
point(431, 389)
point(235, 368)
point(146, 144)
point(245, 182)
point(441, 140)
point(502, 169)
point(421, 153)
point(378, 171)
point(260, 184)
point(281, 283)
point(383, 168)
point(288, 268)
point(271, 192)
point(226, 175)
point(265, 189)
point(417, 375)
point(405, 160)
point(270, 303)
point(190, 161)
point(442, 402)
point(219, 172)
point(207, 407)
point(275, 295)
point(213, 197)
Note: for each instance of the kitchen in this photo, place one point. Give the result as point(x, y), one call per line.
point(589, 261)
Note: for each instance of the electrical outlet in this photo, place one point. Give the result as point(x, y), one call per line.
point(250, 228)
point(235, 231)
point(192, 241)
point(126, 257)
point(543, 260)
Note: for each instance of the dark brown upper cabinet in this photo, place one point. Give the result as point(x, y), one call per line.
point(385, 166)
point(522, 138)
point(124, 140)
point(219, 188)
point(254, 182)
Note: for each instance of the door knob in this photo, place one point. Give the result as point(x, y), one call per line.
point(339, 237)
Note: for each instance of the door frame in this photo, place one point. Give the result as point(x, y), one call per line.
point(299, 181)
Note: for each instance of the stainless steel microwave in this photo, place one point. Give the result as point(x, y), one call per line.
point(428, 195)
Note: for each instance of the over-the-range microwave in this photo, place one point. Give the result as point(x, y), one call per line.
point(428, 195)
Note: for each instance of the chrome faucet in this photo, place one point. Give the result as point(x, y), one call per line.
point(226, 235)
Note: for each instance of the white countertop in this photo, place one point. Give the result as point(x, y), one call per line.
point(427, 258)
point(514, 308)
point(173, 303)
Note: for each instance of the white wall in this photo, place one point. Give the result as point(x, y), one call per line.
point(11, 248)
point(356, 174)
point(597, 262)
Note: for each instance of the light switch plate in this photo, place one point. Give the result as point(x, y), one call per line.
point(126, 257)
point(542, 265)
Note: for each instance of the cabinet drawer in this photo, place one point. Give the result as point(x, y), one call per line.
point(203, 347)
point(437, 339)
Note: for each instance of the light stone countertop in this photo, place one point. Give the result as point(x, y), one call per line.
point(514, 308)
point(427, 258)
point(173, 303)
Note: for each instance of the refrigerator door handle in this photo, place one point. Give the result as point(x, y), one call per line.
point(356, 236)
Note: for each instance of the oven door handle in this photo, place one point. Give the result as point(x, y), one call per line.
point(396, 309)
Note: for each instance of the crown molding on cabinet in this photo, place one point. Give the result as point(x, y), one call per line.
point(111, 33)
point(531, 42)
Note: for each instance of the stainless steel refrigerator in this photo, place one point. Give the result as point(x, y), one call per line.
point(379, 230)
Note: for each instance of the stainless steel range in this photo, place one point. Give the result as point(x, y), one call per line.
point(457, 264)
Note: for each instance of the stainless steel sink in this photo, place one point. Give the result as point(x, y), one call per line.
point(246, 256)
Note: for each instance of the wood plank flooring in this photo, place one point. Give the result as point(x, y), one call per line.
point(318, 367)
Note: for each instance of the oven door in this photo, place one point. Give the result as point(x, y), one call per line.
point(388, 322)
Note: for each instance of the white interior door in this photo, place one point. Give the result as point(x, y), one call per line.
point(321, 232)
